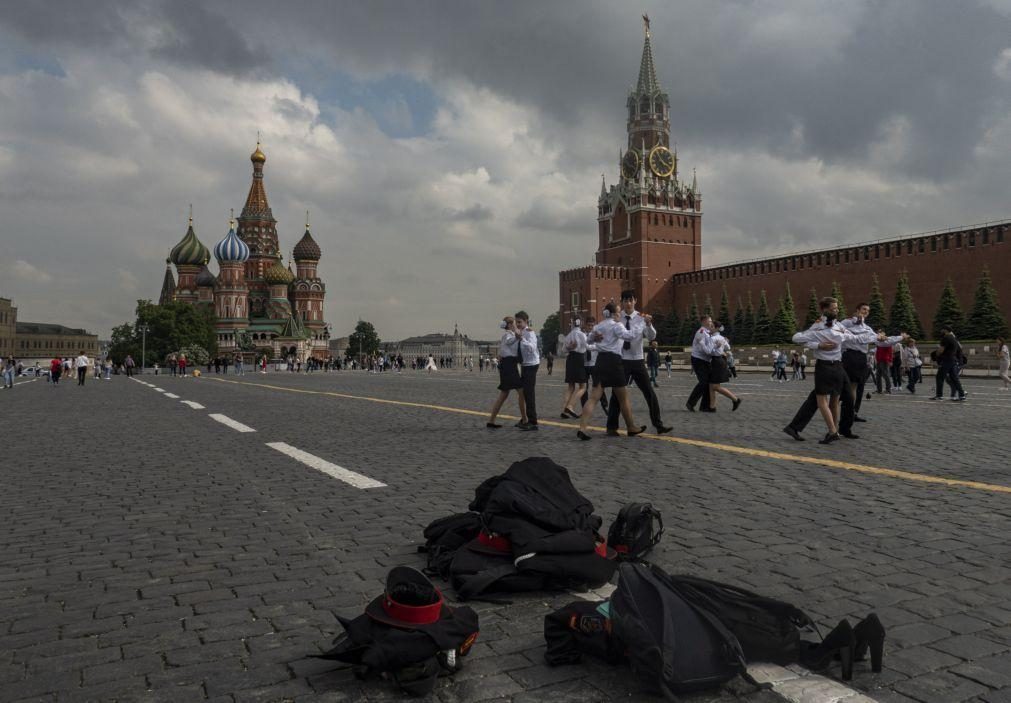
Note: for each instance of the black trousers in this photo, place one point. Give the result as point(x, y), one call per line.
point(810, 407)
point(948, 371)
point(82, 373)
point(856, 367)
point(635, 370)
point(702, 371)
point(529, 378)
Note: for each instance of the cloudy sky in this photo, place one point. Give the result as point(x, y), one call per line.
point(450, 152)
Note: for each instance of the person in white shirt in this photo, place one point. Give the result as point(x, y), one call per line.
point(508, 372)
point(911, 363)
point(609, 336)
point(530, 361)
point(1003, 362)
point(702, 355)
point(825, 337)
point(575, 368)
point(634, 363)
point(720, 370)
point(591, 366)
point(81, 364)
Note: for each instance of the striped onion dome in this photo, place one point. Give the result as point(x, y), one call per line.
point(278, 274)
point(307, 249)
point(231, 249)
point(189, 251)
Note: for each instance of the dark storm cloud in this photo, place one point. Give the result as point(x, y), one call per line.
point(475, 213)
point(202, 38)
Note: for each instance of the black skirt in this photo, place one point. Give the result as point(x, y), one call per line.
point(509, 374)
point(575, 368)
point(609, 371)
point(829, 378)
point(720, 371)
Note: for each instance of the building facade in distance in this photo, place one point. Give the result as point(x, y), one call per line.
point(259, 304)
point(649, 239)
point(8, 321)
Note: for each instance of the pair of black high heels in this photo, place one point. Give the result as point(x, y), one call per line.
point(847, 644)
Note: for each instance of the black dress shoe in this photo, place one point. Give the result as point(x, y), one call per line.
point(689, 407)
point(793, 433)
point(737, 404)
point(857, 418)
point(520, 424)
point(492, 425)
point(583, 436)
point(613, 433)
point(850, 435)
point(631, 433)
point(663, 429)
point(529, 427)
point(829, 438)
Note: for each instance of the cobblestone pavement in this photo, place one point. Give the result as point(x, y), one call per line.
point(152, 553)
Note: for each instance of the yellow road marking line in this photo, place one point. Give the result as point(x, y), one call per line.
point(818, 461)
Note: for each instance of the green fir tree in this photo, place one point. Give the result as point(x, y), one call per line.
point(691, 321)
point(813, 311)
point(782, 326)
point(985, 320)
point(724, 314)
point(949, 312)
point(903, 317)
point(763, 321)
point(747, 331)
point(876, 319)
point(837, 294)
point(738, 327)
point(708, 309)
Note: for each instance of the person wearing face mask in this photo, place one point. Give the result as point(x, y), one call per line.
point(633, 362)
point(508, 372)
point(825, 337)
point(575, 368)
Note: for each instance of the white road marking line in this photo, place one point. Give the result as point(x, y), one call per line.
point(193, 404)
point(332, 470)
point(171, 395)
point(160, 390)
point(229, 422)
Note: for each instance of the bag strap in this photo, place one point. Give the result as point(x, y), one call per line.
point(655, 539)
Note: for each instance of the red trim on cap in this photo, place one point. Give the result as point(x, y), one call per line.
point(496, 542)
point(601, 549)
point(620, 548)
point(413, 614)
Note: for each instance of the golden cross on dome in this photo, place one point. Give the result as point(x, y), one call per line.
point(307, 219)
point(645, 23)
point(191, 213)
point(231, 217)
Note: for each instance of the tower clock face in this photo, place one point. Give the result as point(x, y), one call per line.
point(662, 161)
point(630, 164)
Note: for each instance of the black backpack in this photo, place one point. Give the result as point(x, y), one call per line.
point(673, 646)
point(632, 534)
point(581, 627)
point(767, 629)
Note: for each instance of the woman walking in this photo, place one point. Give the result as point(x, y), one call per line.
point(609, 336)
point(1003, 361)
point(508, 372)
point(575, 368)
point(720, 373)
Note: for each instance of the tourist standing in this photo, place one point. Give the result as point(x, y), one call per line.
point(530, 362)
point(653, 362)
point(182, 365)
point(238, 365)
point(610, 372)
point(575, 368)
point(8, 372)
point(81, 364)
point(55, 370)
point(1003, 362)
point(883, 357)
point(129, 364)
point(508, 372)
point(549, 359)
point(667, 361)
point(911, 363)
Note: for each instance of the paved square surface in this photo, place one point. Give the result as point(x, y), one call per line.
point(151, 551)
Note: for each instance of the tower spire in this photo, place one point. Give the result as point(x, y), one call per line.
point(647, 83)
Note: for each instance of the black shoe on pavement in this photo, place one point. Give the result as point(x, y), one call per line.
point(663, 429)
point(583, 436)
point(492, 425)
point(960, 398)
point(936, 397)
point(613, 433)
point(857, 418)
point(630, 433)
point(829, 438)
point(793, 433)
point(850, 435)
point(737, 404)
point(529, 427)
point(689, 407)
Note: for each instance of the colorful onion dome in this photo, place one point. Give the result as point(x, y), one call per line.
point(307, 248)
point(278, 274)
point(189, 252)
point(205, 277)
point(231, 249)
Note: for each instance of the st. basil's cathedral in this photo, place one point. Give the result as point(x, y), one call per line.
point(259, 303)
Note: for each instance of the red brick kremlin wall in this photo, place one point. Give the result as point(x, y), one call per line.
point(928, 259)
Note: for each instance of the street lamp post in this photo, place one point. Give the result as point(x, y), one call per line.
point(143, 345)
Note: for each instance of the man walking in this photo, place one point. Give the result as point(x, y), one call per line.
point(653, 362)
point(8, 372)
point(634, 365)
point(129, 364)
point(702, 354)
point(948, 355)
point(81, 364)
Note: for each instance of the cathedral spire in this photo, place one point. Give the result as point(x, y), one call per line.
point(647, 83)
point(256, 206)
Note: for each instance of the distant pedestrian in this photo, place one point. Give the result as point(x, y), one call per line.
point(129, 364)
point(181, 364)
point(948, 356)
point(1003, 362)
point(653, 362)
point(550, 359)
point(238, 365)
point(81, 364)
point(667, 361)
point(55, 370)
point(430, 365)
point(8, 372)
